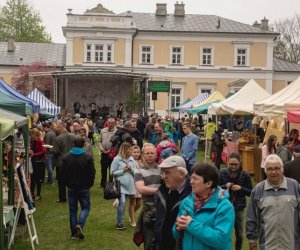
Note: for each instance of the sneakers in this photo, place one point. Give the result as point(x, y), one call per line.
point(80, 233)
point(120, 227)
point(73, 237)
point(116, 203)
point(133, 224)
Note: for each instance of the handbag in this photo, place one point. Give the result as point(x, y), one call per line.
point(112, 190)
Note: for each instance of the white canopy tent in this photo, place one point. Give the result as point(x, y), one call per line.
point(275, 104)
point(241, 103)
point(46, 106)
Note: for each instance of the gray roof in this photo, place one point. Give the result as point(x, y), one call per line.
point(193, 23)
point(283, 66)
point(53, 54)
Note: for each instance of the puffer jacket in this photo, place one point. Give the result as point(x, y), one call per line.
point(211, 226)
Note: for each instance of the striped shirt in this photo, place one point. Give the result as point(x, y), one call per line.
point(151, 178)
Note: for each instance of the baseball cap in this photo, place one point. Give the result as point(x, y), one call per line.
point(173, 161)
point(296, 148)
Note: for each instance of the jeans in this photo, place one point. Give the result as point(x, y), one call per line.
point(218, 159)
point(105, 165)
point(49, 164)
point(83, 196)
point(238, 228)
point(121, 209)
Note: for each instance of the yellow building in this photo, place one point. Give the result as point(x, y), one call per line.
point(196, 53)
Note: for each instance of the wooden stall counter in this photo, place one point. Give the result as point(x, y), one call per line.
point(248, 160)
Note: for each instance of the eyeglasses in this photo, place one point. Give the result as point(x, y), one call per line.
point(233, 164)
point(276, 169)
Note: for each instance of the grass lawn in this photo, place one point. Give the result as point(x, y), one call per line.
point(52, 223)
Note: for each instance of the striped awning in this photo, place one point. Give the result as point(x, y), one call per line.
point(197, 100)
point(46, 106)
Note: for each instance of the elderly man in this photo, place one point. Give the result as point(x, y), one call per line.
point(176, 186)
point(273, 211)
point(147, 181)
point(105, 146)
point(62, 145)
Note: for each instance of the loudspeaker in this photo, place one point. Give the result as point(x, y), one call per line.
point(154, 96)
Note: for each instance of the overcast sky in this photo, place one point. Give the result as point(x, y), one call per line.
point(53, 12)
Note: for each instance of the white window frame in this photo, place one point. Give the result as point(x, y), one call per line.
point(210, 87)
point(181, 55)
point(95, 43)
point(212, 62)
point(177, 86)
point(141, 54)
point(247, 59)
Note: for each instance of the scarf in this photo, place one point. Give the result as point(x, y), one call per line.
point(200, 201)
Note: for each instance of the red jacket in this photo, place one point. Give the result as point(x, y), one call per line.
point(164, 144)
point(38, 150)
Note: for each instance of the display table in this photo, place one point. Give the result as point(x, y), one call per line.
point(8, 216)
point(248, 160)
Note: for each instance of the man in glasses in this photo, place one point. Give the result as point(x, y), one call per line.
point(238, 183)
point(273, 211)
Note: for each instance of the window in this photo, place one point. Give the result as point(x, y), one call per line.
point(146, 55)
point(177, 55)
point(88, 52)
point(241, 55)
point(99, 53)
point(207, 56)
point(175, 97)
point(206, 88)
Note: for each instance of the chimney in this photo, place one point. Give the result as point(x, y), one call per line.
point(10, 44)
point(256, 25)
point(265, 24)
point(161, 9)
point(179, 9)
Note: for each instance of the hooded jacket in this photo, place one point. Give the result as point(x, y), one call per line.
point(211, 226)
point(78, 169)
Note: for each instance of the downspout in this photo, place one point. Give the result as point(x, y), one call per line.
point(132, 43)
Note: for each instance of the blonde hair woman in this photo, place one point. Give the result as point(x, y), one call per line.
point(122, 168)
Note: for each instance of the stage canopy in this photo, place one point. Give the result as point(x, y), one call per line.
point(274, 105)
point(11, 91)
point(46, 106)
point(241, 103)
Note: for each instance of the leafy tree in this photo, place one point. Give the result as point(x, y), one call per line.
point(287, 45)
point(21, 79)
point(19, 19)
point(134, 102)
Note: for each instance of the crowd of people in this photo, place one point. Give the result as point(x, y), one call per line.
point(184, 204)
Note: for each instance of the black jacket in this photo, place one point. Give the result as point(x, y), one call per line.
point(138, 137)
point(292, 169)
point(166, 217)
point(238, 198)
point(78, 170)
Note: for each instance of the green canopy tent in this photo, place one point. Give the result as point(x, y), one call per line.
point(8, 123)
point(202, 109)
point(12, 104)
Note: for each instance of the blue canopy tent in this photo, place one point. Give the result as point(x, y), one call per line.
point(11, 91)
point(46, 106)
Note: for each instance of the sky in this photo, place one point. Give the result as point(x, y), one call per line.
point(53, 12)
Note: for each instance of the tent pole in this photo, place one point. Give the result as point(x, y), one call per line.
point(11, 190)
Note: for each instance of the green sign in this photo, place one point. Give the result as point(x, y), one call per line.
point(159, 86)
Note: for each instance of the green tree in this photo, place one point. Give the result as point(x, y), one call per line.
point(287, 45)
point(19, 19)
point(134, 102)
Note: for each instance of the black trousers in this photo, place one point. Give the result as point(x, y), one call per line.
point(105, 165)
point(36, 177)
point(61, 185)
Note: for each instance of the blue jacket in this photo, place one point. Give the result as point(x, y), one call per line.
point(211, 227)
point(189, 148)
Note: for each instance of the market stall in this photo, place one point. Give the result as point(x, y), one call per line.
point(46, 106)
point(197, 100)
point(8, 123)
